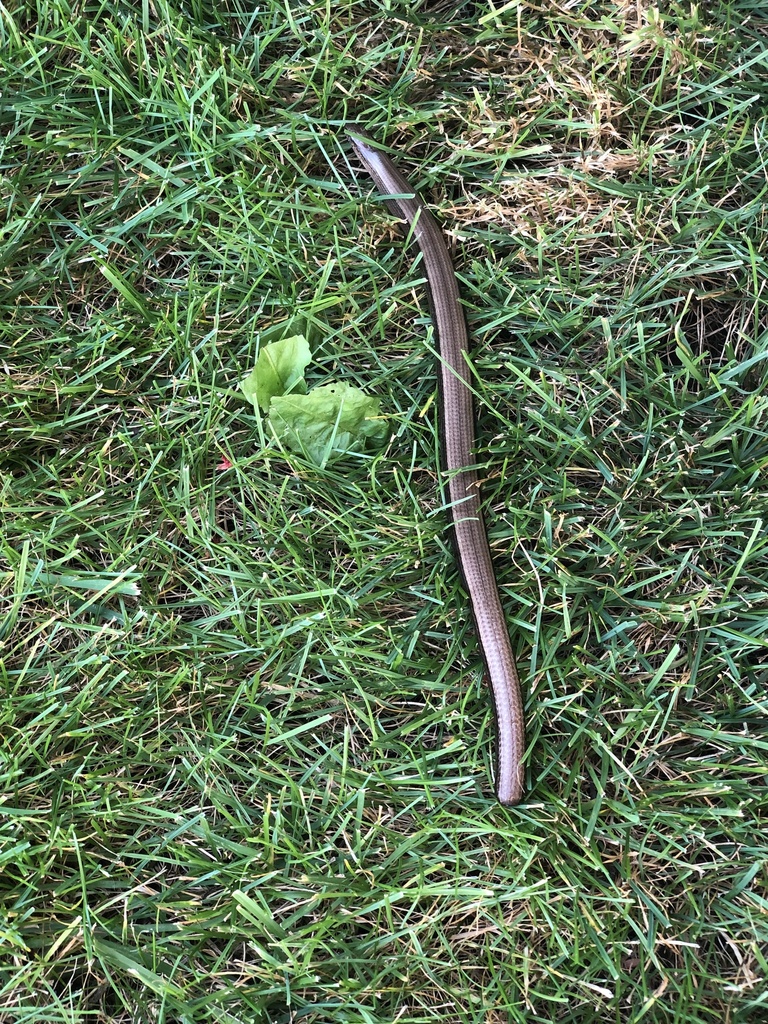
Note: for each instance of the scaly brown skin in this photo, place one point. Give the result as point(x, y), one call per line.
point(457, 442)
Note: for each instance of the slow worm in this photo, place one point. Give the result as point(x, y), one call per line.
point(457, 443)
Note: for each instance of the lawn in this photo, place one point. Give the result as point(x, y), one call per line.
point(245, 739)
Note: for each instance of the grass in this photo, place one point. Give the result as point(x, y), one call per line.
point(245, 739)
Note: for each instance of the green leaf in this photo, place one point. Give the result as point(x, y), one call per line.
point(331, 420)
point(279, 370)
point(298, 324)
